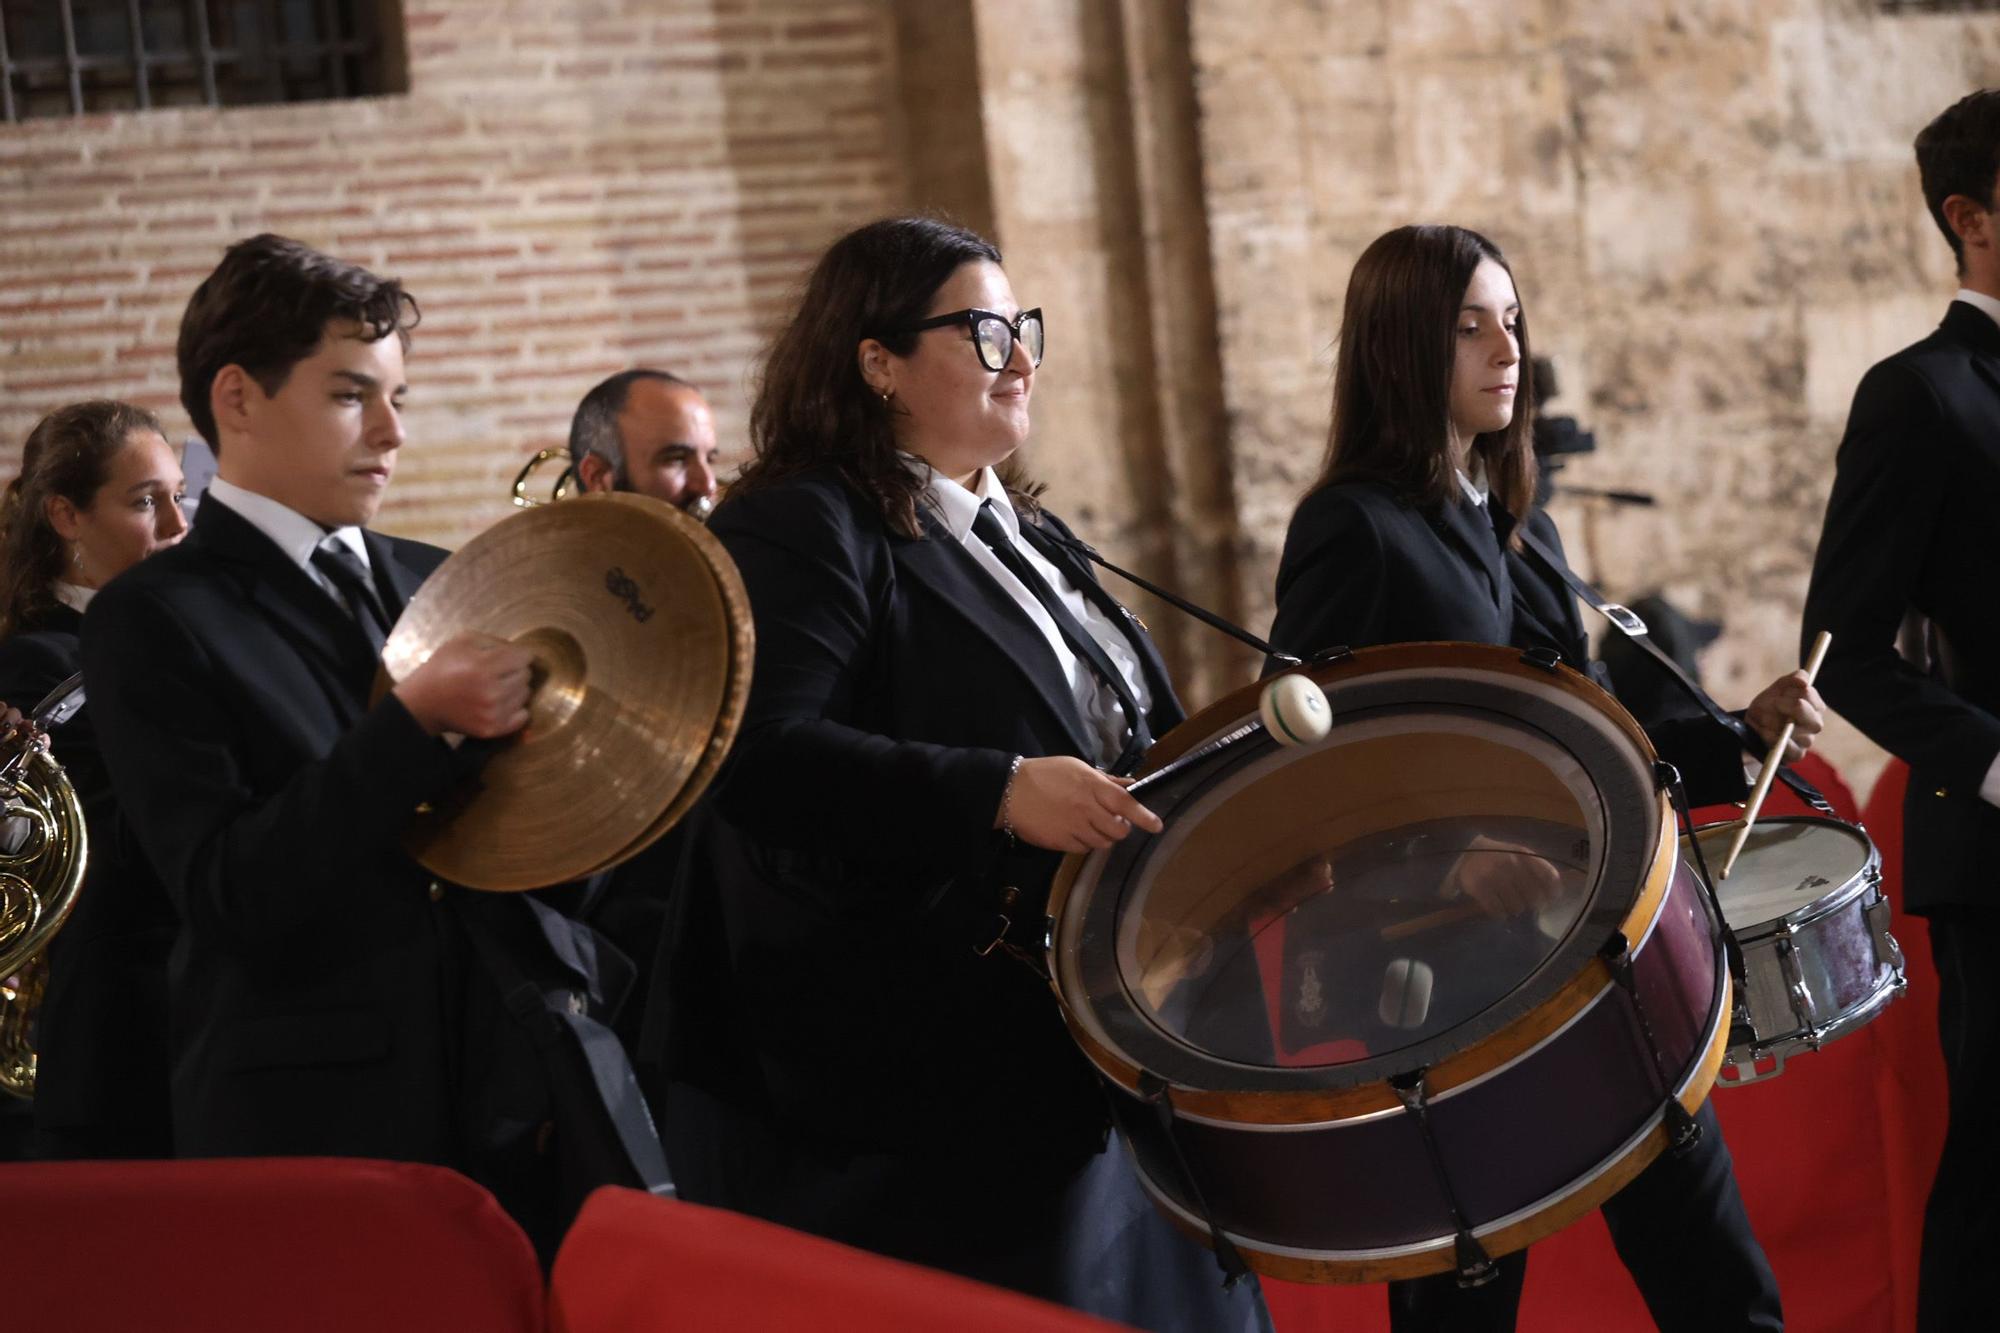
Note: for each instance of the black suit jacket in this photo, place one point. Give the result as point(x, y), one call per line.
point(101, 1031)
point(1363, 567)
point(1909, 533)
point(313, 980)
point(823, 976)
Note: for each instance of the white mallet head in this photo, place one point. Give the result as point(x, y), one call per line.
point(1295, 710)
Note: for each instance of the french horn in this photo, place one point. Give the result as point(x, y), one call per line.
point(43, 850)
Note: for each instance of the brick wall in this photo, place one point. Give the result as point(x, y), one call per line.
point(569, 189)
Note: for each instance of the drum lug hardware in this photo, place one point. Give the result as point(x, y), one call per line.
point(1546, 659)
point(1665, 776)
point(1475, 1266)
point(1338, 653)
point(1683, 1131)
point(1886, 949)
point(1795, 984)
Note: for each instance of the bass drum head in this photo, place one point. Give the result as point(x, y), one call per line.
point(1789, 867)
point(1462, 843)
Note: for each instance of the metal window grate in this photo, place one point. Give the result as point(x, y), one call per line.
point(1938, 6)
point(75, 57)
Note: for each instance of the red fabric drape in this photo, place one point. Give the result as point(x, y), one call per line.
point(250, 1245)
point(1834, 1159)
point(636, 1264)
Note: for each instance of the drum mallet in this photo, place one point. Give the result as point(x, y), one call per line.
point(1771, 762)
point(1292, 710)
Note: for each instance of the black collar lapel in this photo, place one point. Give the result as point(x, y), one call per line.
point(1973, 327)
point(302, 610)
point(1468, 527)
point(394, 580)
point(941, 563)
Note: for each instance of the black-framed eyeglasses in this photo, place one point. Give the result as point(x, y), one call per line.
point(993, 334)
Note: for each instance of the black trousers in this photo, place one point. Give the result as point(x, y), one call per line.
point(1682, 1233)
point(1955, 1282)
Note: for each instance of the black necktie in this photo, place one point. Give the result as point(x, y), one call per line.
point(344, 569)
point(993, 532)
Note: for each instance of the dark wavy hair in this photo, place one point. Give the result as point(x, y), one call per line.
point(1959, 153)
point(69, 454)
point(266, 307)
point(1392, 374)
point(814, 409)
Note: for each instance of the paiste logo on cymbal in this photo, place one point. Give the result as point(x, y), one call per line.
point(622, 586)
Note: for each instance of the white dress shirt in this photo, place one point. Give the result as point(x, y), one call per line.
point(74, 595)
point(295, 534)
point(1096, 702)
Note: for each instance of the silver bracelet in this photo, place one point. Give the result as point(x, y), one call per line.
point(1006, 795)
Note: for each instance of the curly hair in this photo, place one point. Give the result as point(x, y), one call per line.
point(68, 454)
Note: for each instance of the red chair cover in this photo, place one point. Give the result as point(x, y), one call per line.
point(308, 1245)
point(636, 1264)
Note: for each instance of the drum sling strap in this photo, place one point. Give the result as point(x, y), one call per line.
point(1209, 618)
point(558, 1018)
point(1633, 628)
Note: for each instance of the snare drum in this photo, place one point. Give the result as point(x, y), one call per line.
point(1805, 903)
point(1330, 1053)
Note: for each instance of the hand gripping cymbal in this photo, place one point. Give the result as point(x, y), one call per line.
point(642, 639)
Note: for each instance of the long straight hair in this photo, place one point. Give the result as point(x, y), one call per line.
point(813, 407)
point(1392, 374)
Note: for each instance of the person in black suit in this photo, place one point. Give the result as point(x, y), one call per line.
point(1409, 536)
point(328, 996)
point(940, 689)
point(99, 490)
point(1907, 552)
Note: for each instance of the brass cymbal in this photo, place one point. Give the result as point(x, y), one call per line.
point(642, 638)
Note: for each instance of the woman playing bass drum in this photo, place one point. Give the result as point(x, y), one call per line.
point(941, 693)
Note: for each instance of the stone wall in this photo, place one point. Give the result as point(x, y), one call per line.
point(1712, 211)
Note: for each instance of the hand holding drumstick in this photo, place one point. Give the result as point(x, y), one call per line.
point(1802, 715)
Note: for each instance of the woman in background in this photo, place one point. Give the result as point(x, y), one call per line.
point(99, 491)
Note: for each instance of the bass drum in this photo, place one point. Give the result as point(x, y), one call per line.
point(1408, 998)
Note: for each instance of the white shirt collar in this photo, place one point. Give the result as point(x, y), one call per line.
point(293, 533)
point(74, 595)
point(1980, 301)
point(956, 506)
point(1473, 483)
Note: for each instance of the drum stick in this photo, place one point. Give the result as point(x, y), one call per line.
point(1771, 762)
